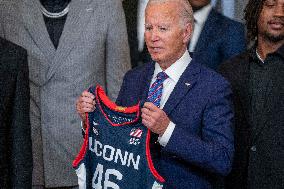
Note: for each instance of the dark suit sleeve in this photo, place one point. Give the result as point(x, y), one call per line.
point(211, 149)
point(235, 42)
point(20, 132)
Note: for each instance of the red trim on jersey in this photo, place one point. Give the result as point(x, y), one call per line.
point(84, 147)
point(101, 96)
point(149, 160)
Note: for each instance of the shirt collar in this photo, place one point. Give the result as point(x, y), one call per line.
point(258, 56)
point(201, 15)
point(254, 55)
point(176, 69)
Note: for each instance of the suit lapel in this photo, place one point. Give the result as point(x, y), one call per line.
point(147, 78)
point(78, 17)
point(34, 23)
point(185, 83)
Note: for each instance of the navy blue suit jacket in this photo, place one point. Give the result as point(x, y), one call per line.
point(220, 39)
point(200, 149)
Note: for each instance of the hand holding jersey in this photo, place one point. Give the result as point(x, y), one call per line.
point(116, 150)
point(153, 117)
point(196, 120)
point(84, 104)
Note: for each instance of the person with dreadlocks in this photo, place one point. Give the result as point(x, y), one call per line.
point(257, 78)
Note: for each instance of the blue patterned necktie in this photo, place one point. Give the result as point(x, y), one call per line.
point(156, 89)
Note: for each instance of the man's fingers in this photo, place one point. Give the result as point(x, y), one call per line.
point(85, 106)
point(146, 117)
point(87, 94)
point(86, 109)
point(146, 123)
point(85, 99)
point(145, 111)
point(85, 103)
point(150, 106)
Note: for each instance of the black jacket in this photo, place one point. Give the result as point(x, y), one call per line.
point(259, 143)
point(15, 131)
point(131, 9)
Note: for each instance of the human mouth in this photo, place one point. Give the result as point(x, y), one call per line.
point(276, 24)
point(156, 49)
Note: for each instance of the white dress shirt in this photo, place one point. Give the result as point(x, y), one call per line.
point(174, 72)
point(200, 18)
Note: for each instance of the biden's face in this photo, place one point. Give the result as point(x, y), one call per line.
point(165, 36)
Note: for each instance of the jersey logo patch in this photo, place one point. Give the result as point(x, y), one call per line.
point(135, 134)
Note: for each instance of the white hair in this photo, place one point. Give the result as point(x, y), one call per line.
point(185, 10)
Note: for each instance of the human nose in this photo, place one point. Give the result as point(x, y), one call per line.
point(154, 35)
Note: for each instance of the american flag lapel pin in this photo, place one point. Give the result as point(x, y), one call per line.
point(187, 84)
